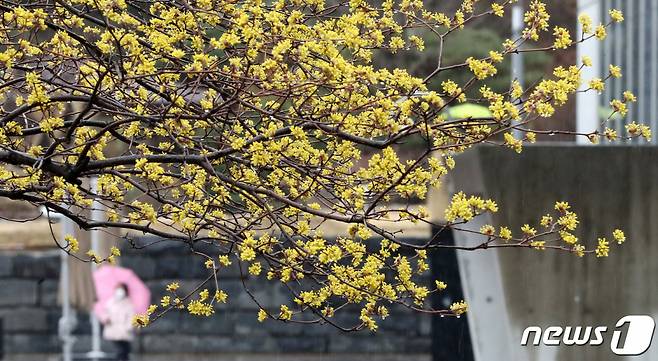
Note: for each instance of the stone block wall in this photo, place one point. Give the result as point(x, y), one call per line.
point(28, 302)
point(30, 313)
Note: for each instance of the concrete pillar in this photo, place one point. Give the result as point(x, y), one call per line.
point(587, 104)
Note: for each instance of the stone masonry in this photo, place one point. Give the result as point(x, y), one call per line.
point(29, 312)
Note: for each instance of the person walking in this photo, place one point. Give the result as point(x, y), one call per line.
point(117, 322)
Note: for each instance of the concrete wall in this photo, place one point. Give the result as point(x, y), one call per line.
point(609, 187)
point(28, 308)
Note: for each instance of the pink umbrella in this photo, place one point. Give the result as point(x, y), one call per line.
point(107, 278)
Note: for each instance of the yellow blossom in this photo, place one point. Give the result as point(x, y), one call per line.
point(615, 71)
point(619, 236)
point(498, 9)
point(262, 315)
point(172, 287)
point(600, 32)
point(527, 230)
point(440, 285)
point(540, 245)
point(72, 243)
point(616, 15)
point(586, 23)
point(505, 233)
point(562, 38)
point(602, 248)
point(255, 268)
point(286, 313)
point(459, 308)
point(587, 61)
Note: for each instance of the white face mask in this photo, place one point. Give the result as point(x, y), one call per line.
point(119, 293)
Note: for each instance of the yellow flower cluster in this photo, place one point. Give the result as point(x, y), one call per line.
point(602, 248)
point(536, 20)
point(586, 23)
point(550, 93)
point(72, 243)
point(459, 307)
point(465, 208)
point(562, 38)
point(634, 130)
point(513, 143)
point(482, 69)
point(562, 224)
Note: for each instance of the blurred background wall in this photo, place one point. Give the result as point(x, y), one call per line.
point(29, 312)
point(608, 187)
